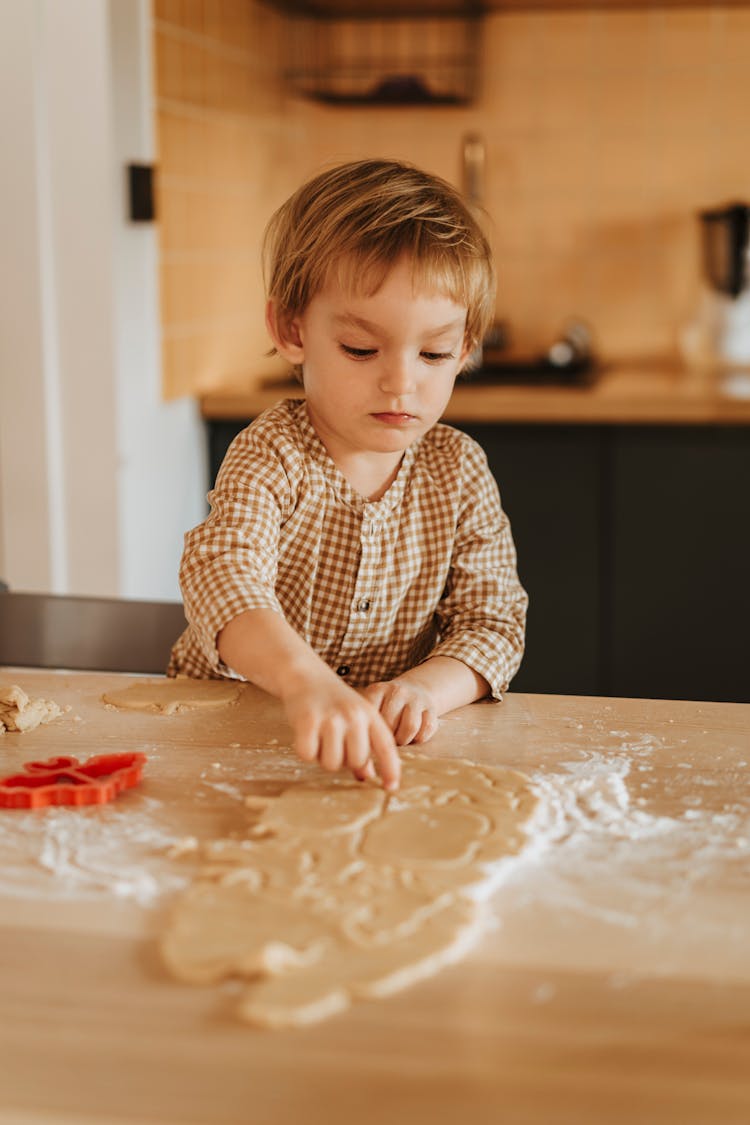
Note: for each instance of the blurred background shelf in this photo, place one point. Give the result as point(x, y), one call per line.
point(393, 59)
point(352, 9)
point(387, 53)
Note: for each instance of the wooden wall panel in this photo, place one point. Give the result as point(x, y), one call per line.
point(220, 127)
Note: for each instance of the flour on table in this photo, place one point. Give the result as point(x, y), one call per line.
point(100, 853)
point(644, 871)
point(172, 696)
point(341, 892)
point(20, 713)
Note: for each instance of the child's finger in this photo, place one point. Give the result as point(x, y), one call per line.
point(409, 724)
point(306, 743)
point(357, 744)
point(332, 745)
point(366, 773)
point(428, 728)
point(392, 706)
point(385, 754)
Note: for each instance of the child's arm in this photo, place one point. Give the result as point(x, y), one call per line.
point(332, 723)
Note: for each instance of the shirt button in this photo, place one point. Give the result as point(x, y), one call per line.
point(343, 670)
point(363, 605)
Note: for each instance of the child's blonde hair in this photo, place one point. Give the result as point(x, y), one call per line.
point(357, 220)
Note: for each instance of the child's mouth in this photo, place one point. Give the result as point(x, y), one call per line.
point(392, 419)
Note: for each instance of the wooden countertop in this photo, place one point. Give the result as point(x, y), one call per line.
point(647, 392)
point(614, 988)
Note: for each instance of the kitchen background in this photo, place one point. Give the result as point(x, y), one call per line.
point(604, 130)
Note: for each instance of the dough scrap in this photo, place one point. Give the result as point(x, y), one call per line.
point(169, 697)
point(340, 892)
point(20, 713)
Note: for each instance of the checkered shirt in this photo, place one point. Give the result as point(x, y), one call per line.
point(374, 587)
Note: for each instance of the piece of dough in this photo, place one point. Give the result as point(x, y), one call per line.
point(19, 713)
point(319, 808)
point(168, 697)
point(437, 836)
point(341, 892)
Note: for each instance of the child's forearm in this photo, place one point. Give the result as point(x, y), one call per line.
point(264, 648)
point(449, 682)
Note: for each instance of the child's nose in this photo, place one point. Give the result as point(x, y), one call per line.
point(397, 377)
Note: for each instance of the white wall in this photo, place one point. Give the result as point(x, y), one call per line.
point(31, 480)
point(162, 466)
point(98, 478)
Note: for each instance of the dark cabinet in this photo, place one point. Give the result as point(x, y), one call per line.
point(680, 566)
point(634, 545)
point(551, 488)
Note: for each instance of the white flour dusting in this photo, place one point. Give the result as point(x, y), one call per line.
point(645, 880)
point(227, 788)
point(74, 853)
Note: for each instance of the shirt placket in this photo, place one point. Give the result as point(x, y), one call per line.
point(363, 603)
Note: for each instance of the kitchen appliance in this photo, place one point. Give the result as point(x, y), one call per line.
point(569, 359)
point(718, 337)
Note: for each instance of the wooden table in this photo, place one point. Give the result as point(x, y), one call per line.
point(615, 987)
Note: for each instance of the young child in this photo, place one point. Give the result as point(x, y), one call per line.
point(356, 562)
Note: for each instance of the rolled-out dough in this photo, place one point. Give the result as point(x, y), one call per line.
point(168, 697)
point(339, 891)
point(19, 713)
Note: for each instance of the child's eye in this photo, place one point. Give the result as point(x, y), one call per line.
point(357, 353)
point(437, 357)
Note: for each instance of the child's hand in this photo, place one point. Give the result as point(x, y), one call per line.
point(334, 725)
point(407, 708)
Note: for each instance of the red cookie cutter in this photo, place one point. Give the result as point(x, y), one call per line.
point(66, 781)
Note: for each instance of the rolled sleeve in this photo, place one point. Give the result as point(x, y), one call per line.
point(482, 615)
point(229, 562)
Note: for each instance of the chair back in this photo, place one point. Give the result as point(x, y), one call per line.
point(93, 634)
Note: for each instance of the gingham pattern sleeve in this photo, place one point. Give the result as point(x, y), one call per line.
point(482, 615)
point(229, 562)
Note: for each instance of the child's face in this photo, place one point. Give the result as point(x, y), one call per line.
point(378, 370)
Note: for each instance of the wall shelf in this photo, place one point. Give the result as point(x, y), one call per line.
point(416, 9)
point(379, 9)
point(384, 61)
point(404, 52)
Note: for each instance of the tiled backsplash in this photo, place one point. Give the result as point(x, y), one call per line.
point(605, 132)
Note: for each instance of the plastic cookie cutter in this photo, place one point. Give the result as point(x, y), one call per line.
point(66, 781)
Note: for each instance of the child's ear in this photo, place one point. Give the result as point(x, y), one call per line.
point(466, 353)
point(284, 331)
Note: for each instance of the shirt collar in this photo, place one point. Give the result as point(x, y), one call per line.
point(341, 486)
